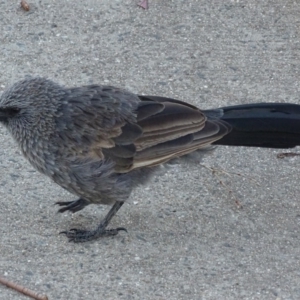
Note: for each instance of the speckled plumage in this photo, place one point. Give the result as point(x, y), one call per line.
point(97, 142)
point(67, 135)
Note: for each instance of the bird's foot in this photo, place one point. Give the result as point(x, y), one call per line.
point(72, 206)
point(80, 235)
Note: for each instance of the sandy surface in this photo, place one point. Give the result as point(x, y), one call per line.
point(187, 236)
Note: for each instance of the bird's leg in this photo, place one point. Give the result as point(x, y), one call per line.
point(72, 206)
point(79, 235)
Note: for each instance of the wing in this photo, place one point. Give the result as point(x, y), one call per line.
point(133, 131)
point(169, 129)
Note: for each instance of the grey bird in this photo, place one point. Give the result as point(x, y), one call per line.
point(98, 142)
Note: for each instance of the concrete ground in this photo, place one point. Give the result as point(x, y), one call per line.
point(192, 233)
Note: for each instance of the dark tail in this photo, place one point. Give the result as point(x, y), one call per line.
point(272, 125)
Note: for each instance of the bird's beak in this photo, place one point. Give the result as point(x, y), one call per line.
point(3, 116)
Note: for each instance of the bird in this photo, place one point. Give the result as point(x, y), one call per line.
point(99, 142)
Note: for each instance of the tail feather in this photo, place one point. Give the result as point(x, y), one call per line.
point(271, 125)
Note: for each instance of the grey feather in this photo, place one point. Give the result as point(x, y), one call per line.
point(99, 142)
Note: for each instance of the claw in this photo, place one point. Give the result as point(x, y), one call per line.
point(72, 206)
point(78, 235)
point(121, 228)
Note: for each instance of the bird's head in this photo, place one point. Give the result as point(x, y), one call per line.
point(30, 106)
